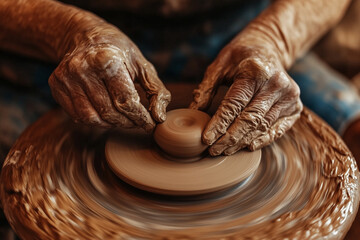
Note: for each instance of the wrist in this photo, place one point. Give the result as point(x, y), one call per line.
point(84, 29)
point(261, 36)
point(254, 45)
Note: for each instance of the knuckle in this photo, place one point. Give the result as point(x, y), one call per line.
point(74, 64)
point(231, 107)
point(58, 80)
point(201, 96)
point(103, 58)
point(59, 73)
point(280, 81)
point(252, 118)
point(294, 91)
point(197, 94)
point(222, 126)
point(233, 139)
point(299, 106)
point(266, 122)
point(251, 63)
point(52, 80)
point(124, 105)
point(254, 68)
point(249, 137)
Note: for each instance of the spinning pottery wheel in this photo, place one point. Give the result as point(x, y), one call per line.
point(57, 184)
point(182, 167)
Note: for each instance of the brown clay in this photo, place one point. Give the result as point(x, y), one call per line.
point(180, 135)
point(180, 166)
point(59, 186)
point(134, 157)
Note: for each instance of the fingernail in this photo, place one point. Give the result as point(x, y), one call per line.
point(209, 138)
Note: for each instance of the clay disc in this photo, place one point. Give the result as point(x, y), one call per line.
point(136, 160)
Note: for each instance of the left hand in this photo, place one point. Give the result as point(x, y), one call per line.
point(261, 104)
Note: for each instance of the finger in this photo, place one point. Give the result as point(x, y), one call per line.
point(101, 101)
point(84, 112)
point(157, 93)
point(126, 99)
point(61, 96)
point(233, 149)
point(243, 129)
point(260, 115)
point(235, 100)
point(72, 97)
point(203, 95)
point(276, 112)
point(280, 110)
point(270, 118)
point(75, 103)
point(276, 131)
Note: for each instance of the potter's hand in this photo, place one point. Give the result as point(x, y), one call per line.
point(263, 101)
point(95, 85)
point(260, 105)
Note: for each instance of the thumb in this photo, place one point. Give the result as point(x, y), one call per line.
point(204, 93)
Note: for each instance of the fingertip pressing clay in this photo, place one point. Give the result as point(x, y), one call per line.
point(136, 159)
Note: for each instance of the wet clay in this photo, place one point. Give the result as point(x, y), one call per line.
point(180, 135)
point(182, 167)
point(56, 184)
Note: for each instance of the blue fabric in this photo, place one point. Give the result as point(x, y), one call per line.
point(326, 92)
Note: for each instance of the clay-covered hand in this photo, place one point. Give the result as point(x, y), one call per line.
point(94, 83)
point(263, 101)
point(260, 105)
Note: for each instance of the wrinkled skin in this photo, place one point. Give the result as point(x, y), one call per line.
point(94, 81)
point(260, 105)
point(98, 64)
point(95, 85)
point(263, 101)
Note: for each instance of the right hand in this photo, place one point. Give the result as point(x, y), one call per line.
point(95, 85)
point(262, 103)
